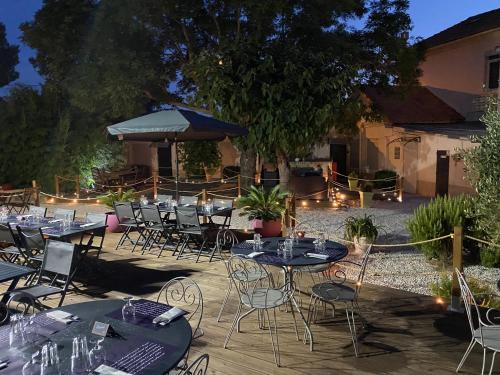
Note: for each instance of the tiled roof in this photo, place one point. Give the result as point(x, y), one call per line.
point(417, 106)
point(457, 130)
point(471, 26)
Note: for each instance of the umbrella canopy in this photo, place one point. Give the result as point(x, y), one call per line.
point(175, 125)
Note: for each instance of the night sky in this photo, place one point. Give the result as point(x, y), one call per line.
point(429, 17)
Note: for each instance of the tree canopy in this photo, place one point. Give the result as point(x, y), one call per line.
point(8, 59)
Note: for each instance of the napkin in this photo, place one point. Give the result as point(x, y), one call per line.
point(316, 255)
point(255, 254)
point(221, 208)
point(169, 315)
point(107, 370)
point(87, 225)
point(54, 221)
point(61, 316)
point(187, 205)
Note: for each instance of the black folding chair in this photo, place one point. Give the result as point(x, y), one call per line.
point(18, 202)
point(99, 233)
point(191, 231)
point(225, 205)
point(128, 220)
point(156, 229)
point(55, 273)
point(32, 244)
point(12, 252)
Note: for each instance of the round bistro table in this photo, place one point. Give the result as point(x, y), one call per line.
point(333, 251)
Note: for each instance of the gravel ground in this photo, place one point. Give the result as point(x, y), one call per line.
point(402, 267)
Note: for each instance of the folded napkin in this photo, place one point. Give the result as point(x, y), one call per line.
point(107, 370)
point(169, 315)
point(54, 221)
point(187, 205)
point(316, 255)
point(255, 254)
point(62, 316)
point(221, 208)
point(87, 225)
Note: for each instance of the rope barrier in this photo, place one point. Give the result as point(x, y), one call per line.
point(309, 195)
point(482, 241)
point(222, 196)
point(367, 179)
point(215, 191)
point(126, 185)
point(74, 199)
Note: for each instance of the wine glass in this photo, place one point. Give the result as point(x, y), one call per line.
point(97, 355)
point(32, 367)
point(80, 356)
point(16, 334)
point(50, 360)
point(128, 310)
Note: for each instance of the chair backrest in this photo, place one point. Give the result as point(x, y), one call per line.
point(6, 234)
point(362, 270)
point(31, 241)
point(98, 218)
point(36, 210)
point(151, 214)
point(471, 307)
point(184, 293)
point(58, 258)
point(62, 213)
point(225, 240)
point(187, 218)
point(163, 198)
point(198, 367)
point(124, 211)
point(226, 203)
point(188, 199)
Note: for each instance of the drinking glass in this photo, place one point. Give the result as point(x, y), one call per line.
point(50, 360)
point(280, 250)
point(16, 334)
point(257, 242)
point(97, 355)
point(80, 356)
point(128, 310)
point(288, 248)
point(32, 367)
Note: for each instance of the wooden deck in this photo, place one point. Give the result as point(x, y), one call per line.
point(407, 333)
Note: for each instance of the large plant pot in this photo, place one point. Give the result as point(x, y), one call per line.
point(353, 183)
point(113, 224)
point(366, 199)
point(360, 245)
point(267, 228)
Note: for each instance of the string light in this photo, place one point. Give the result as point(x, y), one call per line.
point(439, 301)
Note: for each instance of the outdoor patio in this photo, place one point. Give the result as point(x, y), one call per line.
point(406, 334)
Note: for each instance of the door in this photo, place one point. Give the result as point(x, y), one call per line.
point(338, 155)
point(164, 160)
point(442, 172)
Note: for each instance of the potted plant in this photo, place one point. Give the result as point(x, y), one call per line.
point(352, 180)
point(366, 195)
point(109, 199)
point(265, 208)
point(360, 230)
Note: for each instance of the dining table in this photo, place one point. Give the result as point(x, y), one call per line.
point(12, 272)
point(304, 255)
point(134, 346)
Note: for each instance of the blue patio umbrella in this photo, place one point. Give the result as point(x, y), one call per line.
point(175, 125)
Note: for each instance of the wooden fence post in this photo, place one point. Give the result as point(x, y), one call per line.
point(36, 192)
point(155, 184)
point(457, 264)
point(239, 185)
point(56, 181)
point(77, 186)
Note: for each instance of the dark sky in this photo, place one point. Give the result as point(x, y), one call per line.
point(429, 17)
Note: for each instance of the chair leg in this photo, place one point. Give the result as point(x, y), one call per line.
point(236, 316)
point(466, 354)
point(484, 361)
point(242, 317)
point(492, 363)
point(352, 329)
point(294, 320)
point(202, 246)
point(276, 347)
point(62, 300)
point(226, 298)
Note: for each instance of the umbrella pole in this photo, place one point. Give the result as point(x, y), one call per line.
point(176, 171)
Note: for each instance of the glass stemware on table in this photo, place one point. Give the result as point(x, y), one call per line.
point(128, 310)
point(97, 354)
point(80, 363)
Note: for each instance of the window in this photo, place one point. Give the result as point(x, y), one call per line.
point(493, 71)
point(397, 153)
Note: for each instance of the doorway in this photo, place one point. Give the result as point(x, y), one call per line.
point(338, 155)
point(164, 160)
point(442, 172)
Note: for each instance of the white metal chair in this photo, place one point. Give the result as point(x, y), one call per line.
point(340, 291)
point(258, 294)
point(198, 367)
point(486, 334)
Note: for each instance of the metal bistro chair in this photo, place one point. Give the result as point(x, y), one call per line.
point(32, 243)
point(54, 276)
point(128, 220)
point(225, 203)
point(12, 252)
point(18, 203)
point(62, 213)
point(188, 200)
point(190, 230)
point(37, 210)
point(258, 294)
point(339, 291)
point(100, 233)
point(155, 229)
point(198, 367)
point(486, 334)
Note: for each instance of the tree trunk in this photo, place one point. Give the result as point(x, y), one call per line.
point(284, 170)
point(247, 167)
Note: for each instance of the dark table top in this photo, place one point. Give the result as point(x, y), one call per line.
point(334, 250)
point(9, 271)
point(176, 335)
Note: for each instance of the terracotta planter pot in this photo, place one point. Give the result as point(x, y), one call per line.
point(268, 228)
point(353, 183)
point(113, 225)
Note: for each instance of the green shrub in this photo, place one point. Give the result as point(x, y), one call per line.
point(438, 219)
point(483, 294)
point(360, 227)
point(385, 174)
point(490, 257)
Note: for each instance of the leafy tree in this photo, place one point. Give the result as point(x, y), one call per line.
point(8, 59)
point(200, 157)
point(483, 171)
